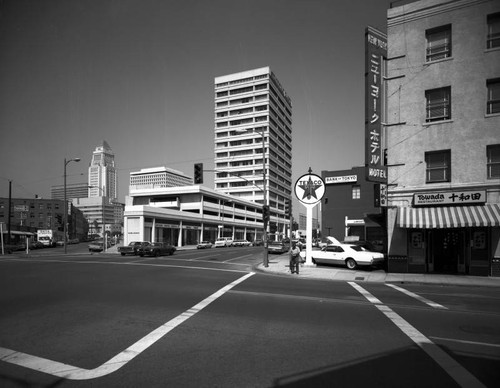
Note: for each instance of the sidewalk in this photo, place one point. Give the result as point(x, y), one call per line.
point(278, 264)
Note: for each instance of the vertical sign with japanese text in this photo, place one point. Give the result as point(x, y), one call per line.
point(375, 52)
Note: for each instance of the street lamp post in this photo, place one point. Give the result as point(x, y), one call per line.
point(65, 221)
point(264, 235)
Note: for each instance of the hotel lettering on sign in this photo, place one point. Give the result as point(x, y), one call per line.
point(376, 51)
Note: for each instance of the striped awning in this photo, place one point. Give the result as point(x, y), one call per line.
point(449, 217)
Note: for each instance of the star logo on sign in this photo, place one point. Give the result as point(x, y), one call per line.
point(309, 189)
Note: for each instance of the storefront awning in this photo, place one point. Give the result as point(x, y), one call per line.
point(449, 217)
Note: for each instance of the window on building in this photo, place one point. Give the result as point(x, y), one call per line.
point(438, 43)
point(438, 166)
point(356, 192)
point(493, 161)
point(493, 37)
point(493, 100)
point(438, 104)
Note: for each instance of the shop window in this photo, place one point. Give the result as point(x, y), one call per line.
point(356, 192)
point(438, 166)
point(438, 43)
point(438, 104)
point(493, 161)
point(493, 37)
point(493, 99)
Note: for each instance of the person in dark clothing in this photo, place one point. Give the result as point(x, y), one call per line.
point(294, 258)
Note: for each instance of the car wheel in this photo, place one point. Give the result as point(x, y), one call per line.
point(350, 263)
point(141, 254)
point(123, 254)
point(157, 253)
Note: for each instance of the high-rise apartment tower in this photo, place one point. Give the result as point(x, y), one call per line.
point(253, 114)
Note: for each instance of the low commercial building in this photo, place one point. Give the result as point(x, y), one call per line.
point(186, 215)
point(348, 208)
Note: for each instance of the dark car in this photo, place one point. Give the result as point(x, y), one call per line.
point(132, 248)
point(156, 249)
point(277, 247)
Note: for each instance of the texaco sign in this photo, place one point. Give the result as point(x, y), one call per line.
point(309, 188)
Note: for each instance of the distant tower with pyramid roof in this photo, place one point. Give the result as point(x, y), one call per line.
point(102, 173)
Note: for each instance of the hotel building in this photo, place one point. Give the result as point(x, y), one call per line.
point(443, 138)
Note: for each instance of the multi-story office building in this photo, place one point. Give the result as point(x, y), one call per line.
point(31, 214)
point(253, 140)
point(102, 173)
point(156, 177)
point(443, 137)
point(101, 214)
point(74, 190)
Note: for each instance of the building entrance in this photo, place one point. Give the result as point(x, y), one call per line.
point(448, 247)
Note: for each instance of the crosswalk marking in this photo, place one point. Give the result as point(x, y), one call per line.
point(461, 375)
point(418, 297)
point(71, 372)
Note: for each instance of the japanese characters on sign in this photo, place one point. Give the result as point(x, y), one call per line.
point(450, 198)
point(376, 51)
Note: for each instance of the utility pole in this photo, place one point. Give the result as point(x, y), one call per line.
point(9, 215)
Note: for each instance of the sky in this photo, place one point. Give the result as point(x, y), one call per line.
point(139, 74)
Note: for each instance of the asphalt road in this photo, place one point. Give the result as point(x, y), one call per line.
point(204, 319)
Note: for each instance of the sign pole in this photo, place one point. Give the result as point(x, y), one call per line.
point(309, 190)
point(309, 235)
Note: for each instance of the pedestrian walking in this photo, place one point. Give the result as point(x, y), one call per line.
point(294, 258)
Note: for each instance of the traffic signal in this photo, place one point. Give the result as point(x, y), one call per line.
point(198, 173)
point(265, 214)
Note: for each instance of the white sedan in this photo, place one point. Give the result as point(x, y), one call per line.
point(351, 256)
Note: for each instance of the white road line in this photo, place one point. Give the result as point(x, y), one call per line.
point(75, 373)
point(365, 293)
point(466, 342)
point(236, 258)
point(148, 264)
point(461, 375)
point(418, 297)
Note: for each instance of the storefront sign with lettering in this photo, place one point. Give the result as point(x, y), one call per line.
point(450, 198)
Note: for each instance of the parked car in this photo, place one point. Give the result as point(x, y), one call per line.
point(224, 242)
point(204, 245)
point(241, 243)
point(156, 249)
point(367, 245)
point(96, 246)
point(277, 247)
point(350, 255)
point(258, 243)
point(36, 245)
point(132, 248)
